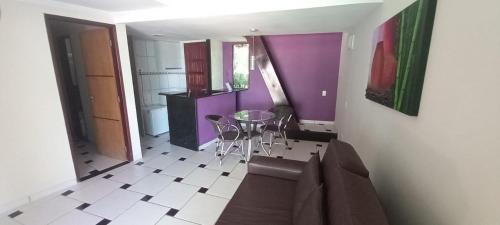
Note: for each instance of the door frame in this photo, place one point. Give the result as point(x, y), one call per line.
point(118, 78)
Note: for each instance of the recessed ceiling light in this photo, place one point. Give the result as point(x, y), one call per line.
point(158, 35)
point(253, 30)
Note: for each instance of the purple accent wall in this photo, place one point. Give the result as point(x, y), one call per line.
point(307, 64)
point(224, 105)
point(227, 61)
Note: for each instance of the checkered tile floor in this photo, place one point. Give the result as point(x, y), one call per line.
point(170, 185)
point(89, 162)
point(318, 127)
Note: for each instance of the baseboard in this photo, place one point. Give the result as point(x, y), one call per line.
point(318, 122)
point(52, 191)
point(204, 146)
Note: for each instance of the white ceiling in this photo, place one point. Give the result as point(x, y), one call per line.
point(182, 20)
point(234, 27)
point(115, 5)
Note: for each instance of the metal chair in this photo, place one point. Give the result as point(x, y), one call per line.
point(227, 132)
point(277, 128)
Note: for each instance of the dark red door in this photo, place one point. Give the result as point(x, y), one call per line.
point(197, 56)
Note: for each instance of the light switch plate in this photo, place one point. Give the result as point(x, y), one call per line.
point(323, 93)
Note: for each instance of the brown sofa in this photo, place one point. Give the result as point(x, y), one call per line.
point(336, 191)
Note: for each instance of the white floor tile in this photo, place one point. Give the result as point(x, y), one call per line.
point(142, 213)
point(168, 220)
point(201, 177)
point(203, 209)
point(152, 184)
point(302, 150)
point(8, 221)
point(101, 162)
point(114, 204)
point(164, 147)
point(224, 187)
point(148, 155)
point(180, 169)
point(175, 195)
point(153, 142)
point(201, 157)
point(180, 152)
point(160, 162)
point(240, 171)
point(48, 211)
point(132, 174)
point(95, 191)
point(228, 163)
point(77, 217)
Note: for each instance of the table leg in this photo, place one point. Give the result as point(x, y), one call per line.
point(249, 135)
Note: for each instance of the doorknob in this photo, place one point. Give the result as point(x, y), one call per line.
point(92, 98)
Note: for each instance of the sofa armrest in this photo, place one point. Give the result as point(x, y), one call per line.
point(273, 167)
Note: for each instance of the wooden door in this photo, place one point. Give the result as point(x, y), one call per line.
point(197, 57)
point(104, 98)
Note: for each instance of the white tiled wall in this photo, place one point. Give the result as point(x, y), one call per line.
point(158, 57)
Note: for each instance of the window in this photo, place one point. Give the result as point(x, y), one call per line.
point(240, 65)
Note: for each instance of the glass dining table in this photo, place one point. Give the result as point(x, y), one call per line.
point(251, 118)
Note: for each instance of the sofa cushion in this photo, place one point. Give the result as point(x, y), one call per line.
point(273, 167)
point(350, 198)
point(364, 205)
point(246, 215)
point(312, 210)
point(347, 158)
point(308, 181)
point(260, 200)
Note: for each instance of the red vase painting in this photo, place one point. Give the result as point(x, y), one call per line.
point(401, 47)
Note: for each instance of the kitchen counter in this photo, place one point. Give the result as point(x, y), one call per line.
point(196, 95)
point(187, 111)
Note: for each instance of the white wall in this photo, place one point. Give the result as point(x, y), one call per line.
point(441, 167)
point(35, 155)
point(217, 69)
point(128, 85)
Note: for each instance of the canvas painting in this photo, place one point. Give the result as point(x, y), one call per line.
point(399, 58)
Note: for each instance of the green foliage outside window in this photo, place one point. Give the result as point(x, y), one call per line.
point(240, 65)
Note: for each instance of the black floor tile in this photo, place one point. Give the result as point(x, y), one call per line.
point(125, 186)
point(83, 206)
point(203, 190)
point(164, 153)
point(108, 176)
point(225, 174)
point(66, 193)
point(182, 159)
point(178, 179)
point(157, 171)
point(146, 198)
point(14, 214)
point(202, 165)
point(172, 212)
point(139, 163)
point(104, 222)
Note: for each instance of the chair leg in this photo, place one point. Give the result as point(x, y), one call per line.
point(217, 148)
point(242, 150)
point(286, 138)
point(261, 142)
